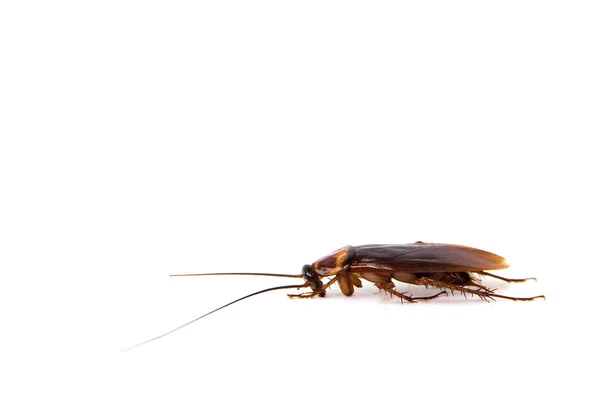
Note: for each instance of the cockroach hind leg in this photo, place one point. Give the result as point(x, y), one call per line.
point(443, 292)
point(485, 294)
point(483, 273)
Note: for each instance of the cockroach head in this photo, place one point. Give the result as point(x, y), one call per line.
point(312, 279)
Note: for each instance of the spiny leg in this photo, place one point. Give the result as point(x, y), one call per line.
point(505, 279)
point(389, 288)
point(483, 293)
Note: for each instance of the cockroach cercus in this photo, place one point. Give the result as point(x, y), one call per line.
point(444, 267)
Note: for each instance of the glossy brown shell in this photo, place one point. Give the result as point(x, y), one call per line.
point(423, 257)
point(415, 257)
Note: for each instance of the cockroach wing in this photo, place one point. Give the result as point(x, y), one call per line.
point(424, 257)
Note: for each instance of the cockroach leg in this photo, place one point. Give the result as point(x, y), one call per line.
point(307, 295)
point(445, 267)
point(506, 279)
point(321, 291)
point(389, 288)
point(443, 292)
point(484, 293)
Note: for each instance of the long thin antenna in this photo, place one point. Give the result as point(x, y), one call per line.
point(213, 311)
point(242, 273)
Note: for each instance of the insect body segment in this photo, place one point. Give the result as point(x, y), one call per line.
point(334, 262)
point(446, 267)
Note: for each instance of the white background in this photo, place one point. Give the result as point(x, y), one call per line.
point(140, 139)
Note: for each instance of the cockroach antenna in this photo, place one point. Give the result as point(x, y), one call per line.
point(225, 305)
point(242, 273)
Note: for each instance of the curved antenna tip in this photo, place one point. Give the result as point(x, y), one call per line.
point(214, 311)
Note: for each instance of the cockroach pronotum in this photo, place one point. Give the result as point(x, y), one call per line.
point(445, 267)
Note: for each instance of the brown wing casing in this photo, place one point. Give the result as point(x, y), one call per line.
point(423, 257)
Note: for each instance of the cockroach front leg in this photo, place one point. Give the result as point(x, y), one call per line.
point(306, 295)
point(319, 292)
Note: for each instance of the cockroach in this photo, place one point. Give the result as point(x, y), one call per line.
point(445, 267)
